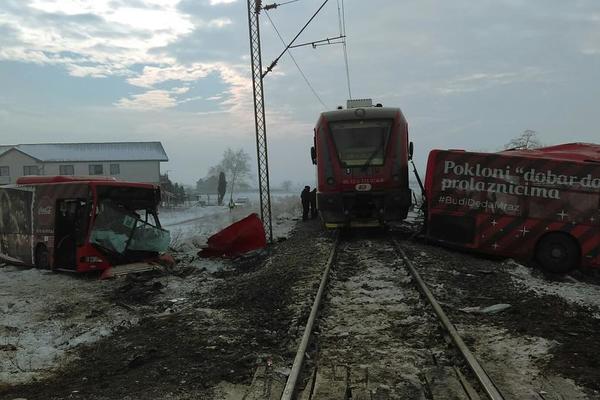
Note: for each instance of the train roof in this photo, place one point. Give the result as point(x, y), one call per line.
point(362, 113)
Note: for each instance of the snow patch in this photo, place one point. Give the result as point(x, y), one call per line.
point(506, 357)
point(580, 293)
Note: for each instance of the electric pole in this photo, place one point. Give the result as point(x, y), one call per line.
point(254, 7)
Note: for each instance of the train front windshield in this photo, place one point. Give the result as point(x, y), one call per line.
point(361, 143)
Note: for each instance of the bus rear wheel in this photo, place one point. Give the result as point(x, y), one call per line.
point(42, 259)
point(558, 253)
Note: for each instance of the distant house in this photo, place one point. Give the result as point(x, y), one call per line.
point(127, 161)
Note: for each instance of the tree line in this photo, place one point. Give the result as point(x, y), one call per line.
point(235, 165)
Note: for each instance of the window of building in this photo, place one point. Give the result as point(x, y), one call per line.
point(31, 170)
point(66, 170)
point(115, 169)
point(96, 169)
point(4, 171)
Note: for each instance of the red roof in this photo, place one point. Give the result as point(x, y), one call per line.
point(567, 151)
point(88, 180)
point(36, 179)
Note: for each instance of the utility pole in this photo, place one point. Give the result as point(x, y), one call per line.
point(254, 8)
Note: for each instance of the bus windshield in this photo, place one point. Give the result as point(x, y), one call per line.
point(361, 143)
point(125, 232)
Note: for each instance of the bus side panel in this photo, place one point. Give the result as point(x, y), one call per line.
point(44, 211)
point(450, 218)
point(502, 204)
point(472, 203)
point(15, 224)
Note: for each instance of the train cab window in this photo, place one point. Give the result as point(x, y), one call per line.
point(361, 143)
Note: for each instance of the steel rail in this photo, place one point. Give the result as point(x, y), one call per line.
point(484, 379)
point(290, 384)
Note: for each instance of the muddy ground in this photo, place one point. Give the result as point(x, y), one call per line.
point(207, 342)
point(465, 283)
point(236, 318)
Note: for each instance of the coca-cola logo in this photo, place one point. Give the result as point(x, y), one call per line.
point(45, 210)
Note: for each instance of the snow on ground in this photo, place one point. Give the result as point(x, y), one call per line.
point(581, 293)
point(510, 359)
point(43, 314)
point(373, 309)
point(196, 224)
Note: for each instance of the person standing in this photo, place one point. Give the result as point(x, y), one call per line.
point(305, 197)
point(313, 203)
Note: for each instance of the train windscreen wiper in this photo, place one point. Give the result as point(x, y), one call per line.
point(372, 156)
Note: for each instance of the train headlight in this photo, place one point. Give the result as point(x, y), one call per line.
point(330, 181)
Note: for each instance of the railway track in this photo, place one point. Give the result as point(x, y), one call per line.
point(372, 334)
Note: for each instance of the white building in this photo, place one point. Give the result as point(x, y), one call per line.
point(126, 161)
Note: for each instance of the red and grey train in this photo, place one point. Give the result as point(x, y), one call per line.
point(362, 155)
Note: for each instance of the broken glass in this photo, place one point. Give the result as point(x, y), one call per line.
point(119, 230)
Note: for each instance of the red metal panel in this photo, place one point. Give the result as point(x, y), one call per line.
point(517, 198)
point(567, 151)
point(34, 180)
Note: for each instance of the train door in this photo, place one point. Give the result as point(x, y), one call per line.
point(69, 232)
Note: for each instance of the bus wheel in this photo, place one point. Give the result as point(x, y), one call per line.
point(557, 252)
point(41, 257)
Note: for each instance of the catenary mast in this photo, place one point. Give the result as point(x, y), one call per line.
point(254, 7)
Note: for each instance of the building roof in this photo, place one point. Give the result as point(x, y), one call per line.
point(115, 151)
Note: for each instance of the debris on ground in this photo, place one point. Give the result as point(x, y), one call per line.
point(241, 237)
point(496, 308)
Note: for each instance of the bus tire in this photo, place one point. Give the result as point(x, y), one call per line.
point(42, 259)
point(558, 252)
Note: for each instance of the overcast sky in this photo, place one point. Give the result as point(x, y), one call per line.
point(467, 74)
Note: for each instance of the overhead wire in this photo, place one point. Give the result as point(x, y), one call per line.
point(274, 63)
point(296, 63)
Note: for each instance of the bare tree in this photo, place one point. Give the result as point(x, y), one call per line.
point(527, 140)
point(236, 166)
point(286, 186)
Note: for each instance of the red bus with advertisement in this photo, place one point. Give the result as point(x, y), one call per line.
point(541, 204)
point(80, 223)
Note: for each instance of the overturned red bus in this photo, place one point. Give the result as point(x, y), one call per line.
point(80, 223)
point(541, 204)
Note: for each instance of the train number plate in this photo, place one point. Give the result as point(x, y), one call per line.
point(363, 187)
